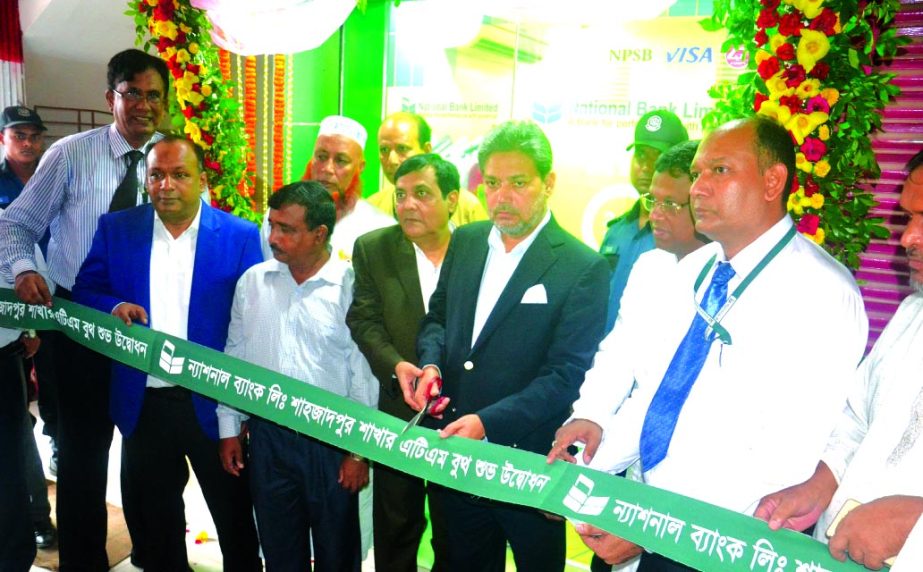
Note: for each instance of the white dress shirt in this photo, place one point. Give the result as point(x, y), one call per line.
point(759, 415)
point(612, 376)
point(879, 413)
point(172, 265)
point(427, 273)
point(298, 330)
point(498, 269)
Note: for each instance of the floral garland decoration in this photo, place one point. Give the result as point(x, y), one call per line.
point(812, 69)
point(210, 116)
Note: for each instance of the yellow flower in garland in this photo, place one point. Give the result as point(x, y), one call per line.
point(761, 56)
point(773, 110)
point(193, 48)
point(182, 56)
point(775, 42)
point(808, 88)
point(794, 205)
point(206, 90)
point(812, 47)
point(811, 8)
point(821, 168)
point(164, 28)
point(823, 132)
point(194, 132)
point(186, 29)
point(831, 95)
point(778, 88)
point(819, 236)
point(817, 201)
point(802, 163)
point(802, 124)
point(152, 2)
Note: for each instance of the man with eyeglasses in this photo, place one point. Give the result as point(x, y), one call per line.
point(82, 177)
point(673, 229)
point(741, 377)
point(629, 236)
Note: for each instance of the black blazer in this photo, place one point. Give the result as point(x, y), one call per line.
point(387, 309)
point(527, 365)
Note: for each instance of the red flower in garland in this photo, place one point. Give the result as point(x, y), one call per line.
point(786, 52)
point(758, 100)
point(770, 4)
point(820, 70)
point(794, 75)
point(163, 11)
point(768, 68)
point(163, 43)
point(188, 112)
point(810, 186)
point(768, 18)
point(824, 22)
point(813, 149)
point(761, 38)
point(793, 102)
point(790, 24)
point(808, 224)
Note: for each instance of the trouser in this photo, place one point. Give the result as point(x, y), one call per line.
point(293, 479)
point(479, 529)
point(166, 434)
point(399, 521)
point(17, 541)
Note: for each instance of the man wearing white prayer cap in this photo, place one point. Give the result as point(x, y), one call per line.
point(337, 163)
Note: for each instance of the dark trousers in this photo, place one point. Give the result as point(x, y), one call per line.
point(478, 531)
point(398, 514)
point(167, 433)
point(17, 542)
point(84, 438)
point(293, 479)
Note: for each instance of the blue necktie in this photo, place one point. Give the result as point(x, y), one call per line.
point(684, 369)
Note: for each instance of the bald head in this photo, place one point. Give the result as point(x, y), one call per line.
point(401, 136)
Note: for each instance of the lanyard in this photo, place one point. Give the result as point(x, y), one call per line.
point(714, 323)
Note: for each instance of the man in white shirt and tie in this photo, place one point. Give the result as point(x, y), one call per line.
point(875, 455)
point(740, 394)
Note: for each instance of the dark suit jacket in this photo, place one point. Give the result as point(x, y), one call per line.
point(118, 269)
point(527, 365)
point(387, 309)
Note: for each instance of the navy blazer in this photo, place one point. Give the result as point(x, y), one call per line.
point(118, 269)
point(528, 363)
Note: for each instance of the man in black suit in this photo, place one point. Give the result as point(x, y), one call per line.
point(396, 272)
point(511, 329)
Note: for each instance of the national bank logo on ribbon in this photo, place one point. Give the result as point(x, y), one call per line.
point(168, 363)
point(578, 498)
point(550, 113)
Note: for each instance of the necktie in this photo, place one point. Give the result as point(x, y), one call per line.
point(126, 194)
point(684, 369)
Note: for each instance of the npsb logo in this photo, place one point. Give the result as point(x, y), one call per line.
point(578, 498)
point(408, 105)
point(690, 55)
point(623, 55)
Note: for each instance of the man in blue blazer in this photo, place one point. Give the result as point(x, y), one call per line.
point(173, 264)
point(512, 326)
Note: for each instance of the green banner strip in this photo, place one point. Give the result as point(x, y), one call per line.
point(695, 533)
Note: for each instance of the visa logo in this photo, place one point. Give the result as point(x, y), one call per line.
point(693, 55)
point(630, 55)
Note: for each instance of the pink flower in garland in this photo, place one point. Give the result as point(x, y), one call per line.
point(817, 103)
point(808, 224)
point(813, 149)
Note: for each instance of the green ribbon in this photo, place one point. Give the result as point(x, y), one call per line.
point(695, 533)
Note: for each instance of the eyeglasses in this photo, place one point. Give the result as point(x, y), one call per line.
point(136, 95)
point(650, 203)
